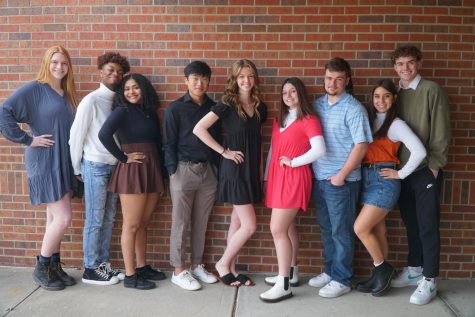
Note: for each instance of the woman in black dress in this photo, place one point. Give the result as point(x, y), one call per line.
point(241, 113)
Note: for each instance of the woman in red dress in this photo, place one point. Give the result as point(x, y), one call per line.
point(297, 141)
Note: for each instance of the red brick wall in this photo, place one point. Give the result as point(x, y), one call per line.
point(294, 38)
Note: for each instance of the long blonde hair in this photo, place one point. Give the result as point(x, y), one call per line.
point(67, 83)
point(231, 93)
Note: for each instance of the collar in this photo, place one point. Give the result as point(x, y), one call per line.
point(414, 83)
point(342, 98)
point(106, 92)
point(187, 98)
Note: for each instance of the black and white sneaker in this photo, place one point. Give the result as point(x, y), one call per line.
point(98, 277)
point(111, 271)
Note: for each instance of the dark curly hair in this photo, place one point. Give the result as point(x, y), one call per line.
point(116, 58)
point(150, 99)
point(406, 51)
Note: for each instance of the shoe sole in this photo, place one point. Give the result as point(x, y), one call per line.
point(141, 288)
point(102, 283)
point(69, 283)
point(48, 288)
point(423, 303)
point(187, 289)
point(276, 300)
point(334, 296)
point(386, 287)
point(294, 284)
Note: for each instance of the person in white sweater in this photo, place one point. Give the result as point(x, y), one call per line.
point(94, 165)
point(381, 181)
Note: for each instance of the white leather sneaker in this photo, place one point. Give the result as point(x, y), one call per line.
point(333, 289)
point(426, 290)
point(293, 278)
point(320, 280)
point(186, 281)
point(203, 275)
point(278, 292)
point(408, 276)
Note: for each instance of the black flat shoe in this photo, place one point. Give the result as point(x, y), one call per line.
point(138, 282)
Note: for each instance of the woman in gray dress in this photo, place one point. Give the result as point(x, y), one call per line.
point(46, 105)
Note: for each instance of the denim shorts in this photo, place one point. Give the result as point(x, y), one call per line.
point(377, 191)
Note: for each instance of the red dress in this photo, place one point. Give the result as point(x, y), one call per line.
point(290, 187)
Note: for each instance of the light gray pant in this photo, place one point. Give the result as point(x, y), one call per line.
point(193, 190)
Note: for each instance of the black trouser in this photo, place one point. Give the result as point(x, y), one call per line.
point(419, 204)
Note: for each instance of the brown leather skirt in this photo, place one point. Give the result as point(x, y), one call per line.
point(138, 178)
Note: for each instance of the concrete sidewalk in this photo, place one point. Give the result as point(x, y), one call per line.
point(19, 296)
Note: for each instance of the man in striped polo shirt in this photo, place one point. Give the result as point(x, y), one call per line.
point(347, 134)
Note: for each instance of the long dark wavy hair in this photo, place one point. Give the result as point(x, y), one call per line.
point(305, 107)
point(390, 115)
point(150, 99)
point(231, 93)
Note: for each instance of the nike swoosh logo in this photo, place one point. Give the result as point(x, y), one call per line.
point(413, 277)
point(431, 289)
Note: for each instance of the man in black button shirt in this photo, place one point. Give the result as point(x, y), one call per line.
point(192, 169)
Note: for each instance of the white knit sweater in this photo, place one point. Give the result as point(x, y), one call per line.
point(84, 142)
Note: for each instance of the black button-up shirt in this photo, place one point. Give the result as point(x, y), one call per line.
point(180, 144)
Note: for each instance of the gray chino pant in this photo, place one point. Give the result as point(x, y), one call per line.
point(193, 190)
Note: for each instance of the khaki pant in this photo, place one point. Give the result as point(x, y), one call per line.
point(193, 191)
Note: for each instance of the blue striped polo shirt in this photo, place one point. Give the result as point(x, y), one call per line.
point(345, 123)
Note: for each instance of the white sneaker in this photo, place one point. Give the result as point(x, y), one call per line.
point(294, 278)
point(408, 276)
point(201, 274)
point(320, 280)
point(426, 290)
point(334, 289)
point(186, 281)
point(278, 292)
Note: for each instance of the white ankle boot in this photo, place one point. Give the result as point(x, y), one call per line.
point(293, 277)
point(280, 291)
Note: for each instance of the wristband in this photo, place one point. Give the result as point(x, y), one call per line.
point(224, 150)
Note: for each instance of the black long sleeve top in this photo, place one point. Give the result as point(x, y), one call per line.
point(180, 144)
point(132, 125)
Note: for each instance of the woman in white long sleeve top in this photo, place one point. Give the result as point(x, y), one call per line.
point(297, 141)
point(381, 181)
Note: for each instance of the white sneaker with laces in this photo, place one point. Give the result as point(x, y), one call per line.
point(408, 276)
point(333, 289)
point(186, 281)
point(426, 290)
point(320, 280)
point(203, 275)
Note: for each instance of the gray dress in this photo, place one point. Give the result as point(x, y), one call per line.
point(49, 169)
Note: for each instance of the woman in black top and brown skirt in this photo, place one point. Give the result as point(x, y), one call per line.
point(137, 178)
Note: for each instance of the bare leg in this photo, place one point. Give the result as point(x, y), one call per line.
point(368, 218)
point(141, 237)
point(294, 239)
point(380, 233)
point(280, 223)
point(247, 218)
point(58, 219)
point(133, 209)
point(233, 227)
